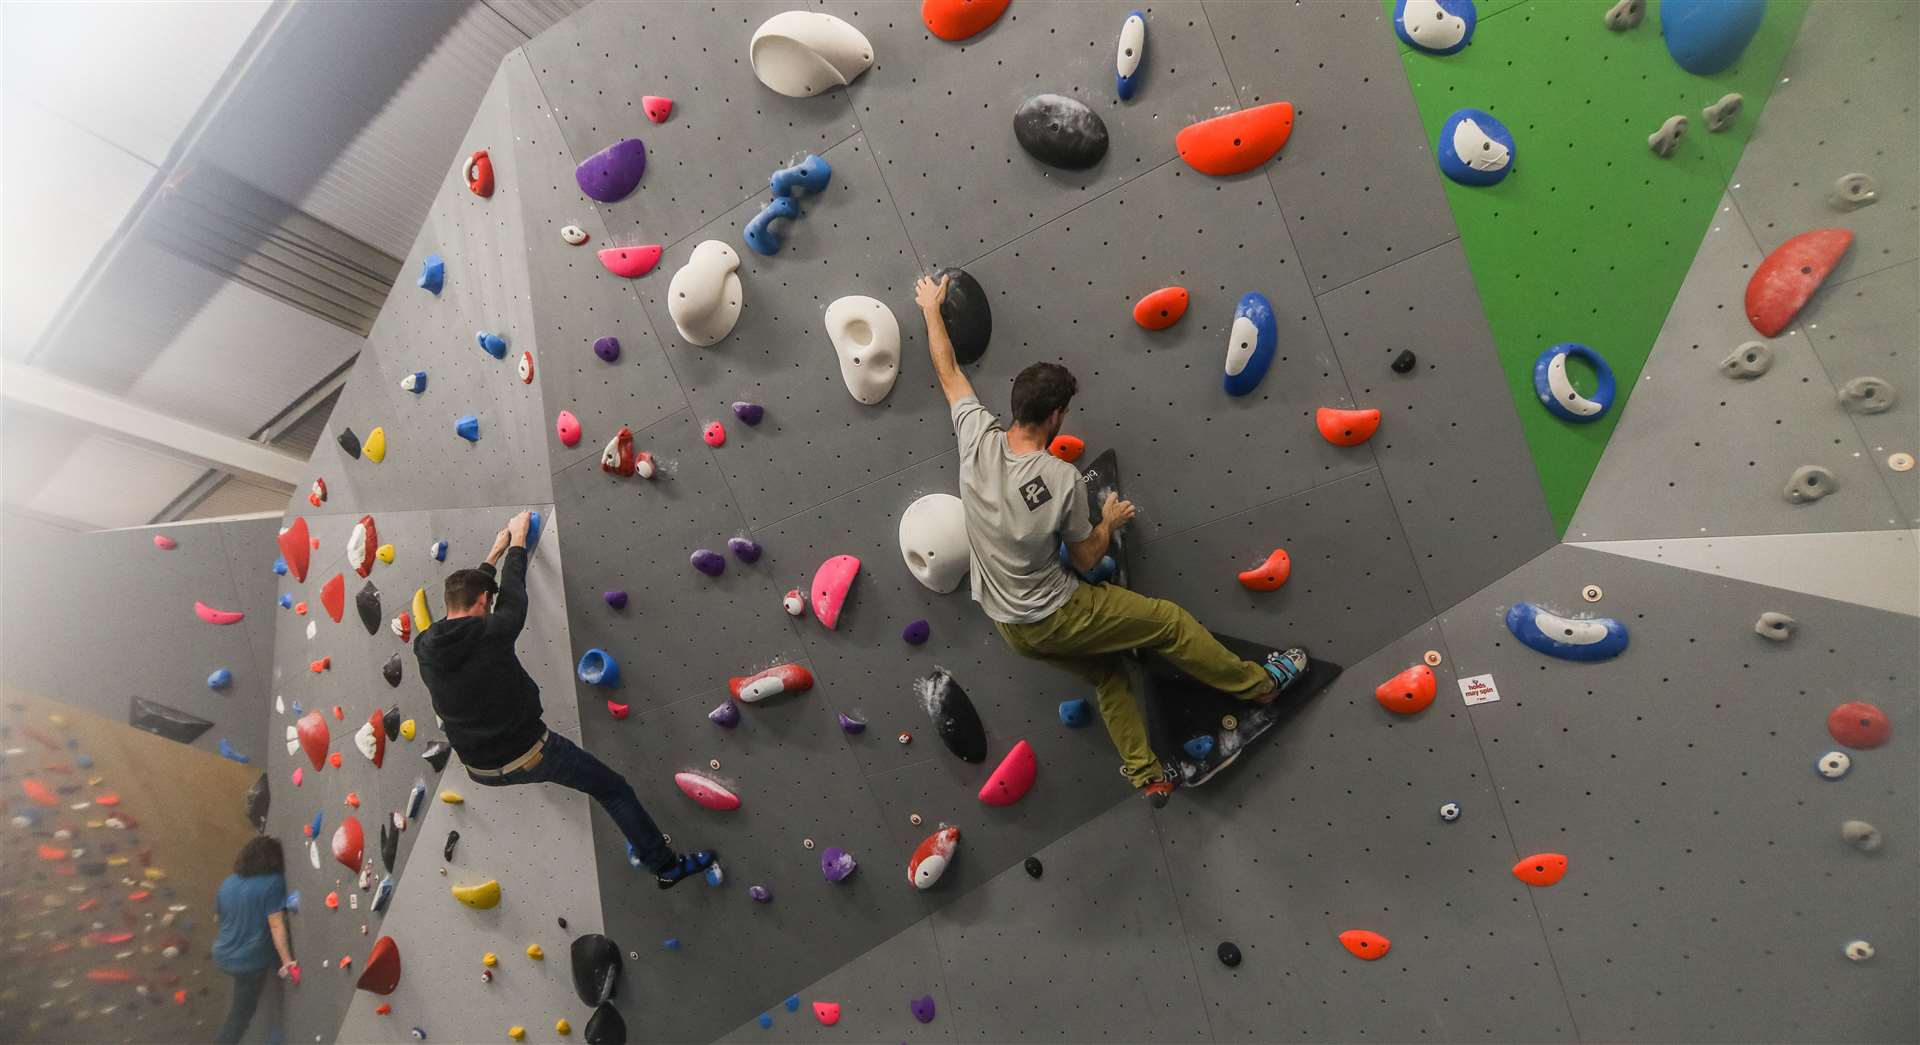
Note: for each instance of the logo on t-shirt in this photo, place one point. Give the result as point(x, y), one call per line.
point(1034, 491)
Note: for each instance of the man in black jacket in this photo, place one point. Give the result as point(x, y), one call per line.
point(490, 706)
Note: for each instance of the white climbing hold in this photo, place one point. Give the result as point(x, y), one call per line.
point(1776, 626)
point(1868, 395)
point(1861, 835)
point(1626, 15)
point(1592, 593)
point(1481, 152)
point(1720, 115)
point(803, 53)
point(866, 337)
point(1853, 191)
point(1859, 950)
point(933, 541)
point(1667, 138)
point(1900, 461)
point(1749, 360)
point(1834, 764)
point(573, 234)
point(1809, 483)
point(704, 298)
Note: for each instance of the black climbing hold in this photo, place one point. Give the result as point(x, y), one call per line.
point(436, 755)
point(1033, 866)
point(389, 844)
point(968, 317)
point(605, 1027)
point(453, 839)
point(368, 603)
point(1403, 363)
point(163, 721)
point(391, 672)
point(563, 923)
point(953, 715)
point(1229, 954)
point(390, 722)
point(1060, 132)
point(596, 968)
point(259, 798)
point(350, 443)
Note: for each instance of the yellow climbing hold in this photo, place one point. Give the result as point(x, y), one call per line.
point(58, 720)
point(535, 953)
point(375, 445)
point(422, 618)
point(517, 1033)
point(489, 959)
point(562, 1027)
point(452, 798)
point(384, 553)
point(116, 861)
point(153, 874)
point(406, 730)
point(480, 897)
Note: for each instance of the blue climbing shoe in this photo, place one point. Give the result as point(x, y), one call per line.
point(1284, 668)
point(688, 866)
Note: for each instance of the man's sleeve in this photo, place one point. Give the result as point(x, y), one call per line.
point(971, 423)
point(510, 608)
point(1075, 523)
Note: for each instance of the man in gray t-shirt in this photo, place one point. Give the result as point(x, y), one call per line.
point(1022, 504)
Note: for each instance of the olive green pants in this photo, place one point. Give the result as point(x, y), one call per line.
point(1100, 622)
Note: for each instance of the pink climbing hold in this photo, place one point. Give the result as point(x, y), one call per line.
point(715, 434)
point(781, 678)
point(567, 427)
point(631, 262)
point(707, 791)
point(618, 710)
point(164, 542)
point(212, 616)
point(827, 1012)
point(831, 582)
point(1013, 779)
point(656, 107)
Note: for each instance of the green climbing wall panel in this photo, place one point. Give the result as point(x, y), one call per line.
point(1590, 236)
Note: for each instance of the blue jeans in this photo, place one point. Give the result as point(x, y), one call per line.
point(246, 996)
point(563, 762)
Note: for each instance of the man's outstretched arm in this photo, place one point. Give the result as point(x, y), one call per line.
point(929, 294)
point(510, 606)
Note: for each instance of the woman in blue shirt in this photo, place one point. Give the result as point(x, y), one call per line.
point(253, 932)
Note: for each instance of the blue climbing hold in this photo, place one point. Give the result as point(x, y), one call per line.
point(793, 1003)
point(468, 428)
point(292, 902)
point(433, 274)
point(1199, 747)
point(760, 234)
point(1474, 148)
point(83, 761)
point(286, 601)
point(1101, 573)
point(415, 382)
point(493, 344)
point(297, 709)
point(1250, 344)
point(533, 532)
point(438, 551)
point(1435, 26)
point(806, 178)
point(1708, 36)
point(766, 1021)
point(280, 566)
point(598, 668)
point(1555, 389)
point(220, 679)
point(715, 876)
point(1128, 56)
point(227, 752)
point(1075, 713)
point(313, 830)
point(671, 943)
point(1567, 638)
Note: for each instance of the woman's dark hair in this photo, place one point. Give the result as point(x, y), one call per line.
point(260, 856)
point(1041, 389)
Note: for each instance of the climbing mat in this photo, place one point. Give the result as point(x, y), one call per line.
point(1591, 236)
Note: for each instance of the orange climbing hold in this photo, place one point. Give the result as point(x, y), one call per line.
point(1270, 574)
point(321, 665)
point(1237, 141)
point(39, 792)
point(1365, 943)
point(1789, 276)
point(1346, 427)
point(1541, 869)
point(1068, 448)
point(960, 19)
point(1407, 693)
point(1161, 309)
point(53, 852)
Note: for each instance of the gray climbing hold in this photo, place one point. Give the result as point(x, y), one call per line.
point(1861, 835)
point(1776, 626)
point(1809, 483)
point(1060, 132)
point(1667, 138)
point(1403, 363)
point(1749, 360)
point(1720, 115)
point(1868, 395)
point(1450, 812)
point(1853, 191)
point(1626, 15)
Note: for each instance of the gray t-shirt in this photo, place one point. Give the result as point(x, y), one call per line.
point(1019, 508)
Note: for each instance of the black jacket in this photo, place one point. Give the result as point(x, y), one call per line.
point(488, 704)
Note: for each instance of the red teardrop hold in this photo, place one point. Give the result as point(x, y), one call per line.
point(333, 596)
point(1859, 725)
point(1407, 693)
point(381, 974)
point(960, 19)
point(1789, 276)
point(1161, 309)
point(1541, 869)
point(1237, 141)
point(1365, 943)
point(1346, 427)
point(1270, 574)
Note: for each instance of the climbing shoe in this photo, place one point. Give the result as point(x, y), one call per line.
point(686, 867)
point(1158, 792)
point(1284, 668)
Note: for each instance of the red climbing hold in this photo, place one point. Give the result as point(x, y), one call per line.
point(617, 458)
point(1859, 725)
point(1161, 309)
point(293, 548)
point(164, 542)
point(362, 543)
point(781, 678)
point(1408, 692)
point(349, 841)
point(656, 107)
point(1013, 779)
point(53, 852)
point(1270, 574)
point(372, 738)
point(618, 710)
point(828, 1012)
point(334, 760)
point(479, 173)
point(333, 597)
point(300, 608)
point(1789, 276)
point(212, 616)
point(381, 974)
point(959, 19)
point(314, 738)
point(320, 665)
point(110, 974)
point(317, 494)
point(831, 582)
point(1237, 141)
point(631, 262)
point(39, 792)
point(1346, 427)
point(715, 434)
point(1068, 448)
point(1541, 868)
point(1365, 943)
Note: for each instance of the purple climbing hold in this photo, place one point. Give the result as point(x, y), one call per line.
point(837, 865)
point(616, 599)
point(607, 348)
point(744, 549)
point(613, 172)
point(760, 894)
point(852, 726)
point(749, 413)
point(726, 716)
point(916, 632)
point(922, 1008)
point(709, 562)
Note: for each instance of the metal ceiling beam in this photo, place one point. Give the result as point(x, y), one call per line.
point(37, 389)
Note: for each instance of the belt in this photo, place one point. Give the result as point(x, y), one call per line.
point(526, 761)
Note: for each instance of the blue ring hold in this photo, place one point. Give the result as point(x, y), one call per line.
point(760, 233)
point(1461, 9)
point(1456, 168)
point(1602, 395)
point(1253, 306)
point(1124, 86)
point(806, 178)
point(1523, 621)
point(598, 668)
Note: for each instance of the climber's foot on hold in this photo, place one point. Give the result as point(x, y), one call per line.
point(688, 866)
point(1283, 669)
point(1158, 793)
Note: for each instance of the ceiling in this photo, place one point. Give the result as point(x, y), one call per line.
point(210, 245)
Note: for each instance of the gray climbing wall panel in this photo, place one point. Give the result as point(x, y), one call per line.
point(1709, 894)
point(1877, 568)
point(1870, 327)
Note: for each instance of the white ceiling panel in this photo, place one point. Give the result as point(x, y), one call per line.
point(104, 483)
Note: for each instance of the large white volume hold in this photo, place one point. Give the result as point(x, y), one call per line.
point(802, 53)
point(866, 337)
point(933, 541)
point(704, 298)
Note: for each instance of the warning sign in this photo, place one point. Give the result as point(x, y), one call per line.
point(1478, 689)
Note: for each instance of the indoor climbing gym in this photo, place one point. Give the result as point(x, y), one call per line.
point(959, 521)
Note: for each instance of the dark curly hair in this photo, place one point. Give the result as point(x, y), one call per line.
point(261, 856)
